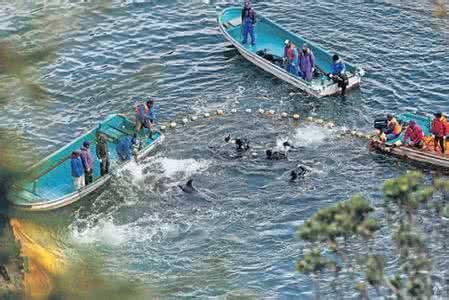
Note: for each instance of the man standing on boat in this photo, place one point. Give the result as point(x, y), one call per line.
point(438, 132)
point(102, 151)
point(77, 169)
point(249, 23)
point(145, 116)
point(88, 162)
point(291, 58)
point(287, 62)
point(306, 62)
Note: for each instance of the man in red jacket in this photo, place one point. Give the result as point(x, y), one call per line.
point(414, 132)
point(438, 132)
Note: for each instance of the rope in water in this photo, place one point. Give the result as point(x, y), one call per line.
point(295, 117)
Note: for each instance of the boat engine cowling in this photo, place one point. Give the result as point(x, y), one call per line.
point(380, 122)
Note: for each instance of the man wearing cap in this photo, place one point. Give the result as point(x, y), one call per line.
point(102, 151)
point(77, 169)
point(414, 132)
point(287, 62)
point(145, 116)
point(306, 62)
point(249, 23)
point(88, 162)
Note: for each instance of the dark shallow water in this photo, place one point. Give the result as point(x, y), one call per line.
point(237, 235)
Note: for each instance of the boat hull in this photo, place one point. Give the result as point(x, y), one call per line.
point(415, 155)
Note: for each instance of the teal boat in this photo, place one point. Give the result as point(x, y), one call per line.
point(50, 185)
point(426, 155)
point(270, 39)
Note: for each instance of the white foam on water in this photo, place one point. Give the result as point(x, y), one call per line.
point(311, 135)
point(105, 232)
point(184, 167)
point(134, 171)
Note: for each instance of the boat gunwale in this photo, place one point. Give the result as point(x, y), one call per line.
point(283, 74)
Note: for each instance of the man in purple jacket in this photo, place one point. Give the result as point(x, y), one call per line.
point(306, 63)
point(88, 162)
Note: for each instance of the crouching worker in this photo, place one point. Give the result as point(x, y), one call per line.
point(124, 147)
point(438, 132)
point(128, 146)
point(414, 132)
point(393, 129)
point(145, 116)
point(102, 151)
point(77, 169)
point(338, 73)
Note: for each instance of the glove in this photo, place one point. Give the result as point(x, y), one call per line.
point(398, 144)
point(100, 160)
point(433, 136)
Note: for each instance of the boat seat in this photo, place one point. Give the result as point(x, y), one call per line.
point(233, 23)
point(112, 132)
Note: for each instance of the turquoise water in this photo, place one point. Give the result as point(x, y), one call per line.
point(237, 235)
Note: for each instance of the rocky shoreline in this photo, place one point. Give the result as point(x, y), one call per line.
point(11, 264)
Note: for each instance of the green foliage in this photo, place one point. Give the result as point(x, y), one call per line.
point(346, 219)
point(375, 270)
point(403, 198)
point(407, 193)
point(406, 239)
point(313, 262)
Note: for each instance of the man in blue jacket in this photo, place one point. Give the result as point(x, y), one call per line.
point(77, 169)
point(249, 23)
point(338, 73)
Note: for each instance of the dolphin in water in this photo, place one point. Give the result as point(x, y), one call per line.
point(188, 187)
point(299, 172)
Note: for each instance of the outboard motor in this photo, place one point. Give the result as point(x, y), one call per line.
point(380, 123)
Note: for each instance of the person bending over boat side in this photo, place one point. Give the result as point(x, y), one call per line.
point(124, 147)
point(102, 151)
point(88, 162)
point(135, 144)
point(145, 116)
point(438, 132)
point(414, 132)
point(77, 169)
point(306, 62)
point(249, 23)
point(338, 73)
point(393, 129)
